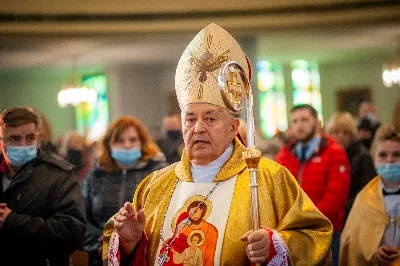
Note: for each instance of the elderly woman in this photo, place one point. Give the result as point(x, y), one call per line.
point(371, 235)
point(343, 129)
point(128, 155)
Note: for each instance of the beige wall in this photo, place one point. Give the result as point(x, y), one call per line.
point(139, 90)
point(38, 89)
point(366, 72)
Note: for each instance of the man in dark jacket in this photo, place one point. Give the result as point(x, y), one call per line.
point(41, 209)
point(320, 166)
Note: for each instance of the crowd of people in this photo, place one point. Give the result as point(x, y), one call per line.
point(327, 195)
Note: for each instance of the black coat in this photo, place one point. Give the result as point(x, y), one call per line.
point(105, 193)
point(362, 171)
point(47, 222)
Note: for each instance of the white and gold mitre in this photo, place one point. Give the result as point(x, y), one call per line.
point(196, 78)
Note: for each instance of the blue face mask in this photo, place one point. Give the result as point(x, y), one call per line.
point(20, 155)
point(389, 171)
point(126, 157)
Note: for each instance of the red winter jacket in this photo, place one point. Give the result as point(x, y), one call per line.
point(325, 177)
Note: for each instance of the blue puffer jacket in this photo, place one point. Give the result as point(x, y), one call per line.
point(105, 193)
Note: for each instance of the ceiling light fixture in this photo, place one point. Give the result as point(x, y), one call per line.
point(75, 94)
point(391, 71)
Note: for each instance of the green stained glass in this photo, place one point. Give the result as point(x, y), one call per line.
point(92, 119)
point(273, 115)
point(306, 84)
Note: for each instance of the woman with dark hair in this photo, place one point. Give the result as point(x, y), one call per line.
point(128, 155)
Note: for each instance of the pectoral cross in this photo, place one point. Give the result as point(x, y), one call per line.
point(234, 87)
point(163, 257)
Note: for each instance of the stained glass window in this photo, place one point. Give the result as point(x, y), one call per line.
point(92, 119)
point(306, 84)
point(273, 115)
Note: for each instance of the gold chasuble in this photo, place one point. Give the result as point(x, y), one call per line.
point(365, 227)
point(283, 205)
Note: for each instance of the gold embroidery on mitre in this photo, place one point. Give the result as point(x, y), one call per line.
point(196, 78)
point(200, 93)
point(206, 64)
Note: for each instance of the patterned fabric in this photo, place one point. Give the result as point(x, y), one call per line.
point(114, 255)
point(278, 252)
point(282, 257)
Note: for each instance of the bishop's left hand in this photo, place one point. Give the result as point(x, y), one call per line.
point(4, 212)
point(258, 245)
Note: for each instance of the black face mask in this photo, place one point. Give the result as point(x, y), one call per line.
point(75, 157)
point(366, 143)
point(174, 134)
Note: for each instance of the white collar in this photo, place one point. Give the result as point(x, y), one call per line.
point(389, 190)
point(207, 173)
point(218, 163)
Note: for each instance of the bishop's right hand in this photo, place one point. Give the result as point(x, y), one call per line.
point(129, 226)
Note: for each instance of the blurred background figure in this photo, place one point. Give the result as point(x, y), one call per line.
point(365, 132)
point(128, 155)
point(270, 149)
point(371, 235)
point(171, 143)
point(396, 116)
point(46, 136)
point(281, 138)
point(75, 150)
point(367, 110)
point(242, 130)
point(343, 129)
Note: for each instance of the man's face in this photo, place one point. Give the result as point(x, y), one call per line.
point(208, 130)
point(197, 215)
point(24, 135)
point(304, 125)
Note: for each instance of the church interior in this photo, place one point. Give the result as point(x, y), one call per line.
point(331, 54)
